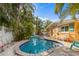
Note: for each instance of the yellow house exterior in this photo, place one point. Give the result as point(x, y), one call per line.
point(67, 30)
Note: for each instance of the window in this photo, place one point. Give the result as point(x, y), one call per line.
point(64, 29)
point(71, 27)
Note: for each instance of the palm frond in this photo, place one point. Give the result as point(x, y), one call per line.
point(58, 7)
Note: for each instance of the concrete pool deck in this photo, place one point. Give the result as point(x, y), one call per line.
point(62, 51)
point(43, 53)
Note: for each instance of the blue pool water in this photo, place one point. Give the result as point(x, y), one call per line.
point(36, 45)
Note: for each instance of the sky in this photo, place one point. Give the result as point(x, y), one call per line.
point(46, 11)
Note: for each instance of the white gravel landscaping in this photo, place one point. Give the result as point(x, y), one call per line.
point(9, 50)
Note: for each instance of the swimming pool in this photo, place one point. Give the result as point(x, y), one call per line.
point(36, 45)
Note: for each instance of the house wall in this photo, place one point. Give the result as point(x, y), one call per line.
point(77, 30)
point(69, 36)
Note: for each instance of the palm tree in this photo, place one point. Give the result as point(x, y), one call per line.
point(64, 10)
point(47, 23)
point(39, 26)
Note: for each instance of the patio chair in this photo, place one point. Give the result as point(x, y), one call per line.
point(74, 43)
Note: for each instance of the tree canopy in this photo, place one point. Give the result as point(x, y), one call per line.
point(18, 17)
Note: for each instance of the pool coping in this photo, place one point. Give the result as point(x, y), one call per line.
point(45, 53)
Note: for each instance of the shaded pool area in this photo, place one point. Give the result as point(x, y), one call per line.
point(36, 45)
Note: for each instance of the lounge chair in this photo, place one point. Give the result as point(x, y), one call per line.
point(74, 43)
